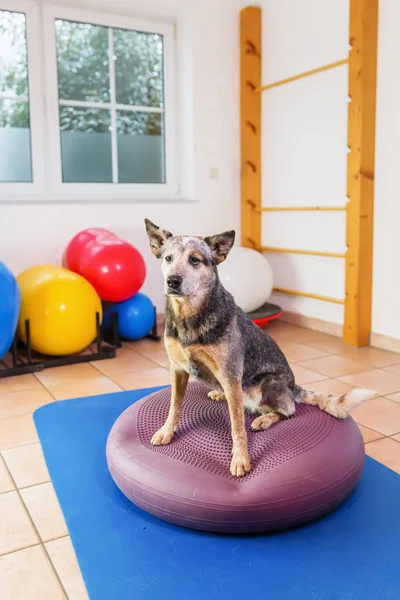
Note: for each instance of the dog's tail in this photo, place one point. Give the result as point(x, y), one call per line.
point(337, 406)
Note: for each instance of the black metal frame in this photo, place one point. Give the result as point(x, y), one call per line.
point(26, 360)
point(113, 338)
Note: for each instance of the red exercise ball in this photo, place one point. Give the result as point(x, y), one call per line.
point(74, 250)
point(114, 267)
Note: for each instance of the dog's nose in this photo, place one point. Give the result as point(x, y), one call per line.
point(174, 282)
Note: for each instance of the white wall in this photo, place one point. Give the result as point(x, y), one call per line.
point(304, 148)
point(208, 31)
point(386, 286)
point(304, 154)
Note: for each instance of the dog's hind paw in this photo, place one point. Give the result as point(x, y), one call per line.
point(265, 421)
point(219, 396)
point(162, 437)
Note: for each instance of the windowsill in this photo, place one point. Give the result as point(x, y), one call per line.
point(52, 200)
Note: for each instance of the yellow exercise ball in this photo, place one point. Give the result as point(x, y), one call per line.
point(61, 307)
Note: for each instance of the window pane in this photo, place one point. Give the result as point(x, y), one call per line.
point(85, 145)
point(13, 54)
point(15, 142)
point(140, 147)
point(138, 68)
point(82, 58)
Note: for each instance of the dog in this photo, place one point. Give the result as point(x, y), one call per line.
point(209, 338)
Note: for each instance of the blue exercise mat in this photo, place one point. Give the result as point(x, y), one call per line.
point(126, 554)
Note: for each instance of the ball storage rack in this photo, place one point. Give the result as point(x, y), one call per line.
point(113, 338)
point(22, 359)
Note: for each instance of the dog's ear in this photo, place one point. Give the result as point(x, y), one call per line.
point(157, 237)
point(220, 245)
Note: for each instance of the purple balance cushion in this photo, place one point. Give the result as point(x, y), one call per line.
point(302, 468)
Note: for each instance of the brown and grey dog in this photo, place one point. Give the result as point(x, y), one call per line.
point(209, 338)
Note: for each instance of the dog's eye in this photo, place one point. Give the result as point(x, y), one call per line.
point(168, 258)
point(194, 261)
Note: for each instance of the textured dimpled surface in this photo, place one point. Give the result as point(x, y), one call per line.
point(203, 438)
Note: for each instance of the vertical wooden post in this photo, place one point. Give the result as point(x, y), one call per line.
point(360, 170)
point(250, 125)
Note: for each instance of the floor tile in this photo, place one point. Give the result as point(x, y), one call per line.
point(294, 334)
point(331, 386)
point(143, 379)
point(304, 376)
point(6, 483)
point(146, 347)
point(64, 560)
point(385, 451)
point(16, 530)
point(381, 381)
point(27, 575)
point(369, 435)
point(126, 361)
point(279, 326)
point(25, 402)
point(160, 357)
point(373, 357)
point(42, 504)
point(17, 431)
point(312, 337)
point(87, 387)
point(380, 414)
point(27, 465)
point(67, 374)
point(330, 344)
point(20, 383)
point(395, 397)
point(333, 366)
point(395, 369)
point(297, 352)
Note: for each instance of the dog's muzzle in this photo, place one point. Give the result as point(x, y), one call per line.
point(174, 283)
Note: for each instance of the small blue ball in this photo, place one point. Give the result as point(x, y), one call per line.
point(136, 317)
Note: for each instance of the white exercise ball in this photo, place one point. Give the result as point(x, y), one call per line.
point(248, 276)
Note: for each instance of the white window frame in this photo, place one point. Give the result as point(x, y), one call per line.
point(44, 112)
point(36, 103)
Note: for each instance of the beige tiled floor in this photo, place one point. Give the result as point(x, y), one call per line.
point(37, 560)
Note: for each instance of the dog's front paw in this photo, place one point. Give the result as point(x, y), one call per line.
point(240, 464)
point(162, 437)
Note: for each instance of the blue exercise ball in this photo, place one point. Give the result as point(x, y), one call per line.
point(10, 304)
point(136, 317)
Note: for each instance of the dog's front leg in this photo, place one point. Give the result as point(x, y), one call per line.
point(240, 464)
point(179, 380)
